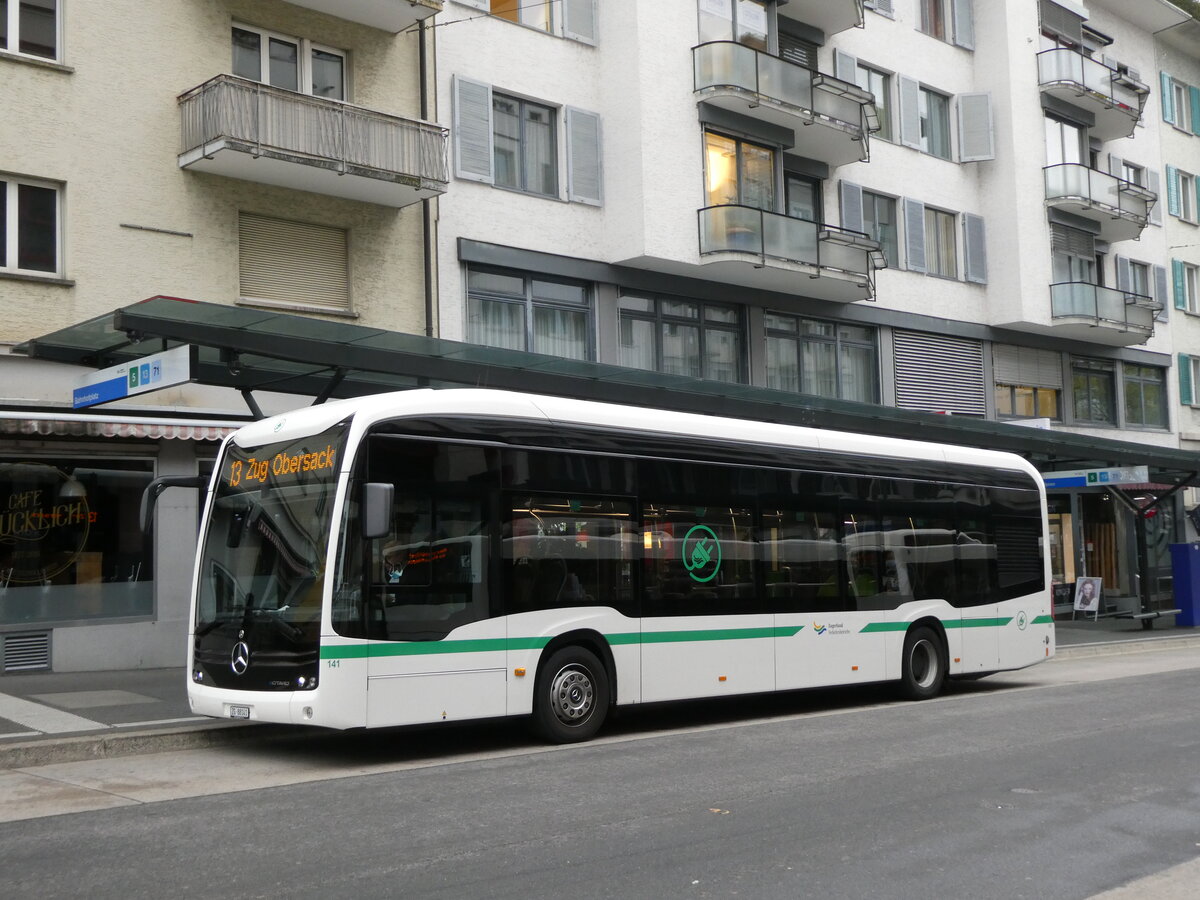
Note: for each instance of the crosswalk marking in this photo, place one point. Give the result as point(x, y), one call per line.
point(43, 718)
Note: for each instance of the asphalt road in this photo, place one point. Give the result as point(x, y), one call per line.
point(1063, 781)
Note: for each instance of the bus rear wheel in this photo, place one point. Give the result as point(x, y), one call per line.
point(571, 696)
point(924, 666)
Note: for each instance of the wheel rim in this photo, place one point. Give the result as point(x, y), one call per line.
point(924, 663)
point(572, 695)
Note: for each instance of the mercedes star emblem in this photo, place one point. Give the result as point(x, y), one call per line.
point(240, 660)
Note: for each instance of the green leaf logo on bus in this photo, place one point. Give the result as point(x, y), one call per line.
point(701, 553)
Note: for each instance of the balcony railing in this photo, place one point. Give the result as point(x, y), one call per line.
point(764, 238)
point(1115, 97)
point(388, 15)
point(1104, 307)
point(1120, 207)
point(244, 129)
point(739, 78)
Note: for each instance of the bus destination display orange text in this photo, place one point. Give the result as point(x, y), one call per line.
point(281, 465)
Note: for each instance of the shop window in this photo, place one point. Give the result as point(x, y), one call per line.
point(71, 544)
point(526, 312)
point(682, 337)
point(1093, 391)
point(828, 359)
point(1145, 396)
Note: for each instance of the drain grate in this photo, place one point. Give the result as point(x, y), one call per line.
point(25, 651)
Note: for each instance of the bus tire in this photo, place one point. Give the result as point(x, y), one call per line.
point(571, 696)
point(923, 669)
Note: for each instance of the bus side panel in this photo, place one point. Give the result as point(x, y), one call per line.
point(830, 648)
point(707, 656)
point(462, 676)
point(529, 633)
point(341, 700)
point(1027, 637)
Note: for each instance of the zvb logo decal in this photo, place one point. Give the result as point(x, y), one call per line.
point(240, 658)
point(701, 553)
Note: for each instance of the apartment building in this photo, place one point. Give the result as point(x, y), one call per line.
point(939, 205)
point(260, 154)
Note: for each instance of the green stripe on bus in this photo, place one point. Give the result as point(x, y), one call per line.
point(1043, 620)
point(875, 627)
point(484, 645)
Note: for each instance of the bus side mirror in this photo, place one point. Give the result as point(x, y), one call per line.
point(377, 509)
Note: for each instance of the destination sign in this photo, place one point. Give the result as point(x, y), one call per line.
point(278, 467)
point(1097, 477)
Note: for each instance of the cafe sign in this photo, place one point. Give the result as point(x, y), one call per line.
point(44, 522)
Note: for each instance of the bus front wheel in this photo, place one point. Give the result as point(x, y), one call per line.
point(571, 696)
point(924, 667)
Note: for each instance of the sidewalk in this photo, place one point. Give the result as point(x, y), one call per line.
point(60, 716)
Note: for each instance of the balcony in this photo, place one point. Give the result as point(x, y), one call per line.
point(832, 119)
point(1089, 312)
point(1115, 97)
point(254, 132)
point(831, 16)
point(386, 15)
point(753, 247)
point(1121, 208)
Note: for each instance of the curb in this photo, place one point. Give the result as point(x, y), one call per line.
point(1138, 645)
point(109, 745)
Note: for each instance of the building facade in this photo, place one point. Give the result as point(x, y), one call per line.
point(262, 154)
point(941, 205)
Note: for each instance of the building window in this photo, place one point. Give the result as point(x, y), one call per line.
point(880, 86)
point(290, 63)
point(1025, 402)
point(933, 17)
point(1139, 278)
point(744, 21)
point(941, 246)
point(29, 27)
point(79, 553)
point(1093, 391)
point(803, 197)
point(828, 359)
point(879, 222)
point(1182, 104)
point(1133, 174)
point(29, 227)
point(682, 337)
point(1145, 396)
point(1186, 190)
point(294, 264)
point(738, 172)
point(525, 145)
point(933, 110)
point(1065, 142)
point(526, 312)
point(1187, 285)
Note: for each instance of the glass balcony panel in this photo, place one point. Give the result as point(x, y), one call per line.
point(1073, 299)
point(790, 239)
point(1139, 317)
point(838, 106)
point(785, 81)
point(835, 255)
point(724, 64)
point(735, 229)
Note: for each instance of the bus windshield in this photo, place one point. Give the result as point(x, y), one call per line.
point(262, 568)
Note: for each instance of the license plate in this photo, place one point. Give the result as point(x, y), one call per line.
point(239, 712)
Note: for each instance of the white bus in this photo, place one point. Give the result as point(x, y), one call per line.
point(441, 555)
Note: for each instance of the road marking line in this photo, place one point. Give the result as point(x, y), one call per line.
point(43, 718)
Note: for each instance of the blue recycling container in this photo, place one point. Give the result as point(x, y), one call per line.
point(1185, 574)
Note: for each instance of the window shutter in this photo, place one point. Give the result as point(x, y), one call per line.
point(1026, 366)
point(473, 153)
point(1194, 98)
point(1168, 97)
point(914, 234)
point(975, 137)
point(937, 372)
point(1072, 242)
point(579, 20)
point(1115, 165)
point(583, 157)
point(1160, 292)
point(1178, 284)
point(1153, 183)
point(851, 204)
point(883, 7)
point(975, 248)
point(1124, 277)
point(1173, 206)
point(964, 24)
point(910, 115)
point(845, 66)
point(293, 262)
point(1185, 379)
point(1062, 22)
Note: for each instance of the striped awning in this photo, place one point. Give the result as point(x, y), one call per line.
point(41, 425)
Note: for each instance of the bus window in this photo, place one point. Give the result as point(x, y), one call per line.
point(561, 551)
point(802, 561)
point(698, 560)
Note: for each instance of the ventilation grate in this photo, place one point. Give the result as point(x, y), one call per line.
point(26, 651)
